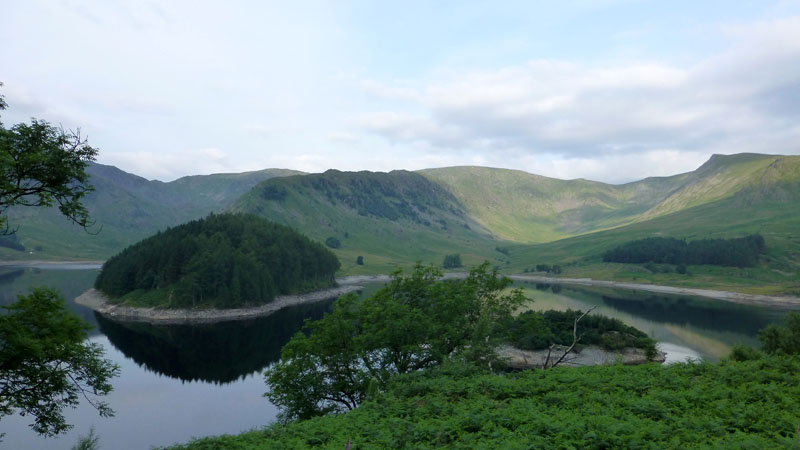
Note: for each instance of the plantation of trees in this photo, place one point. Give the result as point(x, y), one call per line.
point(224, 261)
point(739, 252)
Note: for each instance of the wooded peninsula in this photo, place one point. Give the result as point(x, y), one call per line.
point(221, 261)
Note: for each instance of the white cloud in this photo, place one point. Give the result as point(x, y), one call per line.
point(169, 166)
point(744, 99)
point(343, 137)
point(321, 85)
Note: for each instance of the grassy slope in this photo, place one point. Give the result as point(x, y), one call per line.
point(526, 208)
point(390, 219)
point(752, 404)
point(467, 210)
point(773, 213)
point(127, 208)
point(719, 178)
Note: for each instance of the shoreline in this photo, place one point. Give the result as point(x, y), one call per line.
point(36, 263)
point(353, 283)
point(99, 302)
point(773, 301)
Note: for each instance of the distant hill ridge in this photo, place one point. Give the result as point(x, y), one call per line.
point(400, 216)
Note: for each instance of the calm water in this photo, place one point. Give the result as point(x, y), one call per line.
point(183, 381)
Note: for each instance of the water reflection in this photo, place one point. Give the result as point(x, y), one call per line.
point(706, 314)
point(685, 326)
point(218, 353)
point(15, 281)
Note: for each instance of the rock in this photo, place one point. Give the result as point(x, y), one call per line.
point(95, 300)
point(518, 359)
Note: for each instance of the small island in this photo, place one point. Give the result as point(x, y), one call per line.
point(224, 261)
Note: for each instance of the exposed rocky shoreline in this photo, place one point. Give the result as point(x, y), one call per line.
point(97, 301)
point(518, 359)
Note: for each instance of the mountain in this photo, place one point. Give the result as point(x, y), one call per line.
point(388, 218)
point(517, 219)
point(512, 218)
point(126, 208)
point(522, 207)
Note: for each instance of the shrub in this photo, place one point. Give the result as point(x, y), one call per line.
point(332, 242)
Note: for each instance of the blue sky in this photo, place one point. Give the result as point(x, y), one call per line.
point(606, 90)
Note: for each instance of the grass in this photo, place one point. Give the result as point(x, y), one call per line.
point(754, 404)
point(777, 221)
point(473, 210)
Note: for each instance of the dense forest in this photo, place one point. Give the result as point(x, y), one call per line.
point(739, 252)
point(224, 260)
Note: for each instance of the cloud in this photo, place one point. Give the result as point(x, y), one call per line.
point(343, 137)
point(728, 102)
point(169, 166)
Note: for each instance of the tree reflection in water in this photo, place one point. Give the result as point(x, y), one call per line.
point(216, 353)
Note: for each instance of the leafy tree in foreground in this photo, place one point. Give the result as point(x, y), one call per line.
point(41, 165)
point(46, 364)
point(415, 322)
point(782, 339)
point(776, 339)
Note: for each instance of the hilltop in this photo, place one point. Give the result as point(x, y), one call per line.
point(514, 219)
point(126, 208)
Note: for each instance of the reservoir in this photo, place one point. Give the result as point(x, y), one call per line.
point(184, 381)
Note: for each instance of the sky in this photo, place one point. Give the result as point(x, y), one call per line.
point(607, 90)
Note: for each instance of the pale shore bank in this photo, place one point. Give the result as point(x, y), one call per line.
point(782, 302)
point(591, 355)
point(97, 301)
point(774, 301)
point(44, 264)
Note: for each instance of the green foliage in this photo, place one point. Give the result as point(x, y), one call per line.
point(534, 330)
point(41, 165)
point(89, 442)
point(414, 322)
point(46, 364)
point(332, 242)
point(741, 352)
point(782, 339)
point(277, 193)
point(397, 195)
point(740, 252)
point(753, 404)
point(452, 261)
point(224, 260)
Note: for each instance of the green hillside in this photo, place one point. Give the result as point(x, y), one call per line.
point(767, 208)
point(390, 219)
point(526, 208)
point(721, 177)
point(126, 208)
point(514, 219)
